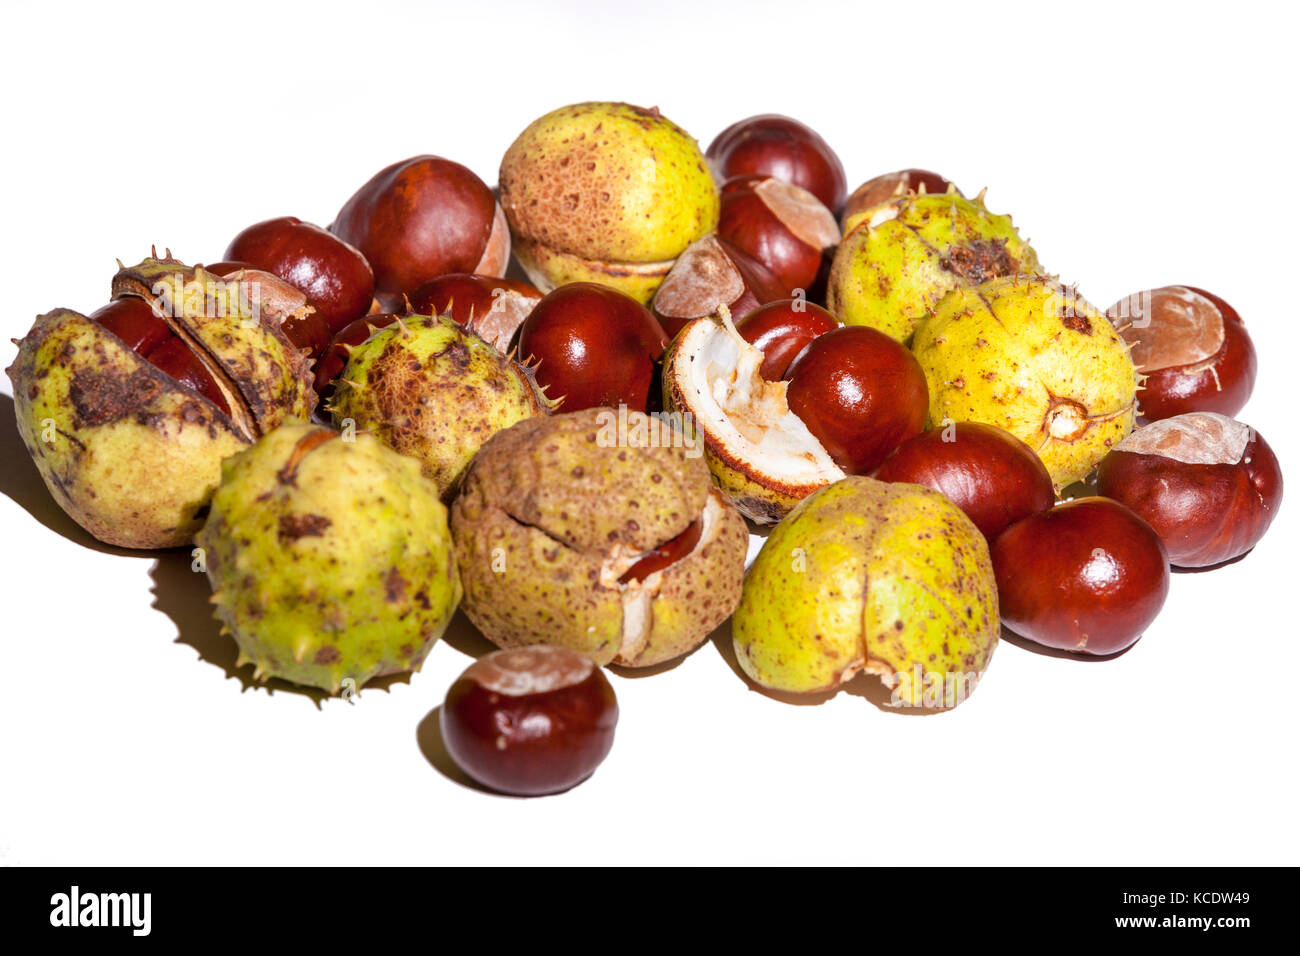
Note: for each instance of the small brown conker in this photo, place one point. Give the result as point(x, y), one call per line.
point(530, 720)
point(990, 474)
point(592, 346)
point(711, 273)
point(781, 225)
point(1087, 576)
point(421, 218)
point(333, 275)
point(860, 393)
point(781, 330)
point(783, 148)
point(880, 190)
point(491, 307)
point(1192, 348)
point(1209, 485)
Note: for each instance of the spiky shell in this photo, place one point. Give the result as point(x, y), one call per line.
point(607, 192)
point(896, 265)
point(891, 579)
point(329, 558)
point(555, 510)
point(129, 453)
point(1033, 357)
point(432, 390)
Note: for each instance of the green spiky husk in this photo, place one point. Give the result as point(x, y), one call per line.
point(329, 558)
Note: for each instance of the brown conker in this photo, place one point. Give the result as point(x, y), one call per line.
point(887, 186)
point(592, 346)
point(990, 474)
point(335, 276)
point(783, 148)
point(781, 330)
point(493, 308)
point(1209, 485)
point(781, 225)
point(1192, 348)
point(530, 720)
point(711, 273)
point(1087, 576)
point(422, 218)
point(860, 393)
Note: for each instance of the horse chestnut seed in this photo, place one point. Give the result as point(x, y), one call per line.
point(1087, 576)
point(490, 307)
point(860, 393)
point(1192, 348)
point(781, 330)
point(876, 192)
point(990, 474)
point(1209, 485)
point(531, 720)
point(592, 346)
point(783, 148)
point(712, 273)
point(333, 275)
point(784, 227)
point(422, 218)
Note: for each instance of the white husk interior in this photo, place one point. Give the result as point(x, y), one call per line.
point(744, 414)
point(636, 595)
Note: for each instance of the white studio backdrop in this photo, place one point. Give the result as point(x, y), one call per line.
point(1135, 145)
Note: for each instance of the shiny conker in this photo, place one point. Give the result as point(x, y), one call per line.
point(860, 393)
point(783, 148)
point(886, 186)
point(493, 308)
point(422, 218)
point(990, 474)
point(301, 323)
point(333, 275)
point(530, 721)
point(783, 226)
point(781, 330)
point(1209, 485)
point(1087, 576)
point(712, 273)
point(1192, 348)
point(134, 321)
point(592, 346)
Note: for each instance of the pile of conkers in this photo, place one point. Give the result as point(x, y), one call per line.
point(823, 352)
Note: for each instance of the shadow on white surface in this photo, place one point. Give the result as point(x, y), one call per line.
point(182, 594)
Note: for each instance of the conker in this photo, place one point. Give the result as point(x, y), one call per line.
point(530, 721)
point(1087, 576)
point(712, 273)
point(300, 322)
point(1209, 485)
point(134, 321)
point(783, 148)
point(1192, 347)
point(335, 276)
point(592, 346)
point(990, 474)
point(783, 226)
point(887, 186)
point(422, 218)
point(781, 330)
point(860, 393)
point(493, 308)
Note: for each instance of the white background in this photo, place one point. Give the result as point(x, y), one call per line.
point(1135, 146)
